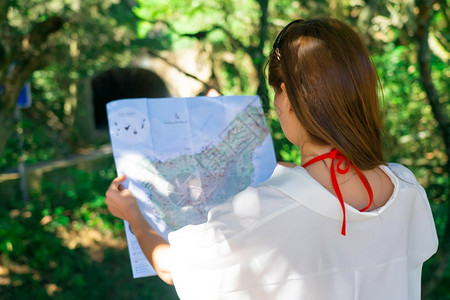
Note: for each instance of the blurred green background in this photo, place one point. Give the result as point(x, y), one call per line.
point(60, 242)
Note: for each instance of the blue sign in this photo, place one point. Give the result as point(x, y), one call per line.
point(24, 100)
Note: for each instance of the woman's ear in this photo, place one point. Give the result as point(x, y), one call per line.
point(283, 87)
point(287, 104)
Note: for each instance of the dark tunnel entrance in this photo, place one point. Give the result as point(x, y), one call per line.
point(122, 83)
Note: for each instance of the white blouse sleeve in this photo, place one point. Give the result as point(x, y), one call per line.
point(209, 258)
point(422, 240)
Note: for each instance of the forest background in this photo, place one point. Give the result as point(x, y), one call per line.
point(58, 241)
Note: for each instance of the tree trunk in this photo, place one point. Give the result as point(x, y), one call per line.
point(12, 87)
point(258, 56)
point(8, 127)
point(8, 100)
point(442, 257)
point(28, 54)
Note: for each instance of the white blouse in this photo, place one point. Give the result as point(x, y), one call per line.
point(282, 240)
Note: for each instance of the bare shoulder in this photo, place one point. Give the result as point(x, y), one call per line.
point(356, 195)
point(382, 187)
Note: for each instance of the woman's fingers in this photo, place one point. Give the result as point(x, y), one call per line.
point(115, 184)
point(120, 201)
point(120, 178)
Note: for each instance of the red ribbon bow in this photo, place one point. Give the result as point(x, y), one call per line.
point(334, 155)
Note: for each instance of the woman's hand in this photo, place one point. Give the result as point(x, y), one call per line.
point(122, 204)
point(120, 201)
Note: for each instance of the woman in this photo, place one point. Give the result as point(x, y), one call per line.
point(345, 225)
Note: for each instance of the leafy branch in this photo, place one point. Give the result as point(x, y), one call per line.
point(442, 257)
point(20, 55)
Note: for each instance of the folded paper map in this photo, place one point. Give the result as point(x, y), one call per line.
point(183, 156)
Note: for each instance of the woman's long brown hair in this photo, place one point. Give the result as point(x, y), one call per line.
point(332, 86)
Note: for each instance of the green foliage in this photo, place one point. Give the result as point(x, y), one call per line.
point(224, 29)
point(91, 41)
point(38, 250)
point(409, 120)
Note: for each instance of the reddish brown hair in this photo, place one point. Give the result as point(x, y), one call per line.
point(332, 86)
